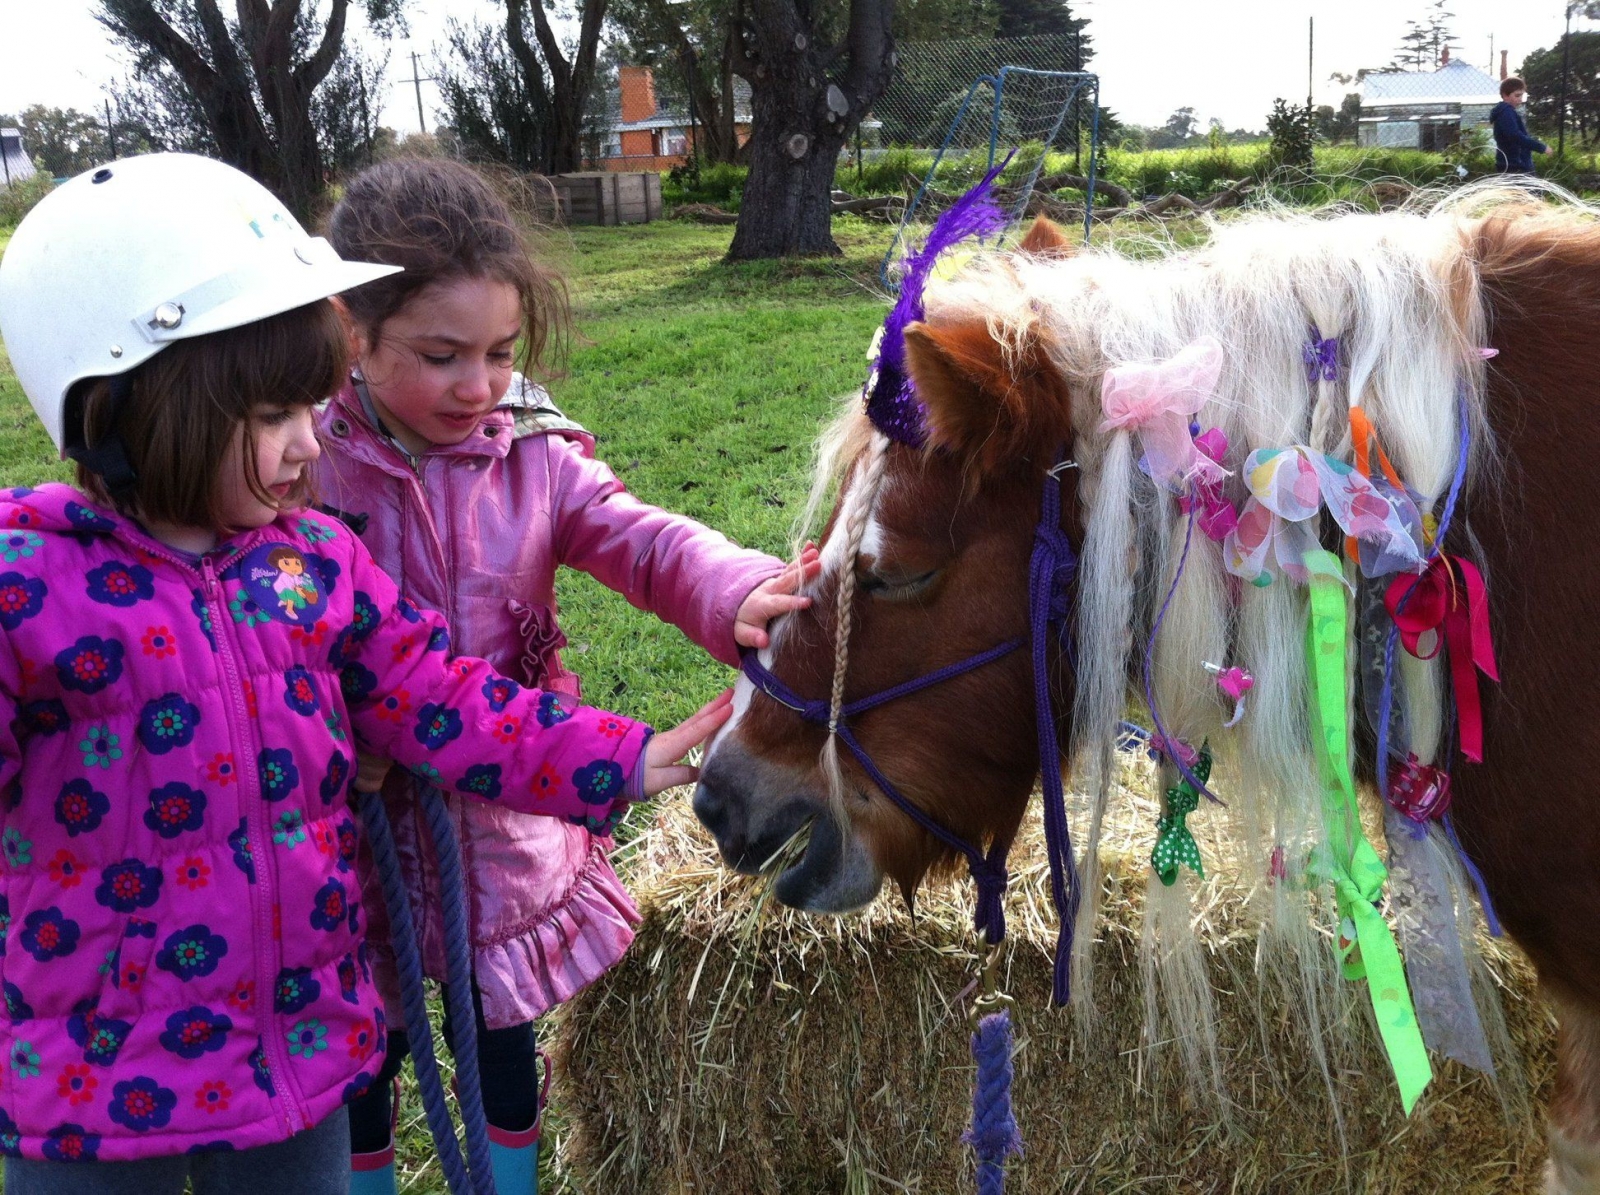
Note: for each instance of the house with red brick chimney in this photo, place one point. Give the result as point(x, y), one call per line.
point(642, 134)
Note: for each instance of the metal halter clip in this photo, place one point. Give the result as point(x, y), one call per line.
point(990, 999)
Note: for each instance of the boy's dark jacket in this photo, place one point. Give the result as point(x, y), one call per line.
point(1513, 146)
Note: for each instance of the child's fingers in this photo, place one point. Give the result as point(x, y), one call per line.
point(669, 746)
point(672, 777)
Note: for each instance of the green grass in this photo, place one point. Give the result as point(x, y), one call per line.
point(705, 384)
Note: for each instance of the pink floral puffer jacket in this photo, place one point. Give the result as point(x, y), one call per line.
point(477, 530)
point(181, 941)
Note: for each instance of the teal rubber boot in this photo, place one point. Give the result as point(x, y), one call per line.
point(514, 1160)
point(373, 1173)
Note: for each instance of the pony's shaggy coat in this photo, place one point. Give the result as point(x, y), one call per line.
point(1009, 362)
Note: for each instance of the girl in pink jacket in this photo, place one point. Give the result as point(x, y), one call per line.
point(471, 489)
point(190, 663)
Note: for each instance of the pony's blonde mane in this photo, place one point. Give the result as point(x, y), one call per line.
point(1402, 293)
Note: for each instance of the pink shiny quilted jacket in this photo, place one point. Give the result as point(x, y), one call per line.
point(181, 936)
point(477, 530)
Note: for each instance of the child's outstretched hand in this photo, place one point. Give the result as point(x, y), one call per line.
point(773, 597)
point(662, 769)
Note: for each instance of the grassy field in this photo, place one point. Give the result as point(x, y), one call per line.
point(706, 385)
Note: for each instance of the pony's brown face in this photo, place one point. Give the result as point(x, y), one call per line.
point(941, 574)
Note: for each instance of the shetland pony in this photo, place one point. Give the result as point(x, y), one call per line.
point(926, 562)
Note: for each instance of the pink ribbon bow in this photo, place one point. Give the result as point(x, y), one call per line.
point(1450, 597)
point(1158, 402)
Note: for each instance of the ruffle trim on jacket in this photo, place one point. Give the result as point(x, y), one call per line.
point(525, 976)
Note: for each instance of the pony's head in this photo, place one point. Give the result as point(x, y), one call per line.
point(924, 563)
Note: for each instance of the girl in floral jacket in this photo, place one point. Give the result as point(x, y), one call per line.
point(182, 946)
point(471, 489)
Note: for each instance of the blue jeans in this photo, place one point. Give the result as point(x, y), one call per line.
point(315, 1162)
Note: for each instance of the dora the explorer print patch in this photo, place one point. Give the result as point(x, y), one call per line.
point(283, 584)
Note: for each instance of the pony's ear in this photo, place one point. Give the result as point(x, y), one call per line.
point(994, 403)
point(1046, 238)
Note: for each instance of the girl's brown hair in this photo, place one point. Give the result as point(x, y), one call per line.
point(443, 220)
point(186, 404)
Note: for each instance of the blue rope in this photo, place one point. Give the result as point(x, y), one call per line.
point(408, 963)
point(458, 988)
point(993, 1135)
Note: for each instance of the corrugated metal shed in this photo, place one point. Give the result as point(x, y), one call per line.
point(15, 164)
point(1455, 82)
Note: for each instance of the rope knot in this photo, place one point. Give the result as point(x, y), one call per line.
point(989, 876)
point(1059, 563)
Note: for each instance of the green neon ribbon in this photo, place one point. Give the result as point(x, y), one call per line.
point(1174, 843)
point(1366, 944)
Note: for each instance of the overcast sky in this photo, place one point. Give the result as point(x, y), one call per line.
point(1224, 58)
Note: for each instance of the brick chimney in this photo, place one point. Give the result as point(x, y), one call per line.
point(638, 86)
point(1504, 73)
point(1444, 59)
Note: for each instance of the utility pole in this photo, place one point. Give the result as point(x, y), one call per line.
point(1311, 55)
point(111, 130)
point(417, 80)
point(1561, 108)
point(366, 116)
point(1491, 56)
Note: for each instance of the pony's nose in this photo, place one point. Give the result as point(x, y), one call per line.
point(710, 807)
point(714, 799)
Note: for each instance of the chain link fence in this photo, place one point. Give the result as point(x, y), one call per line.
point(933, 79)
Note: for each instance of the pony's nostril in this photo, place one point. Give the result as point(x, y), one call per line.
point(711, 806)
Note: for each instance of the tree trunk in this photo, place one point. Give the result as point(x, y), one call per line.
point(787, 209)
point(569, 81)
point(277, 147)
point(800, 118)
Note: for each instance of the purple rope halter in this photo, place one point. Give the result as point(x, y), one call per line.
point(1050, 572)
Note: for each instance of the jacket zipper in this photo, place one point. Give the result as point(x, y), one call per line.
point(241, 730)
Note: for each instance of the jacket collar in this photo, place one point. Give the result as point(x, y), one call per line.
point(345, 421)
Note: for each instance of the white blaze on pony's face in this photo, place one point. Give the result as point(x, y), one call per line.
point(757, 807)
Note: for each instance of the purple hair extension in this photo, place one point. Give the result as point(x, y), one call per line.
point(892, 403)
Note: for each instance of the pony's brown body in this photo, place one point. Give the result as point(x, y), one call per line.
point(1530, 814)
point(942, 574)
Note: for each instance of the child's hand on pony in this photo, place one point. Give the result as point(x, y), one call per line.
point(662, 755)
point(775, 596)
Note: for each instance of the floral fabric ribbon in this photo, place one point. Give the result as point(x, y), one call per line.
point(1288, 487)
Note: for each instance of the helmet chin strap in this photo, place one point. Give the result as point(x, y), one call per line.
point(109, 458)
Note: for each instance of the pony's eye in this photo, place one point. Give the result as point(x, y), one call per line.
point(894, 588)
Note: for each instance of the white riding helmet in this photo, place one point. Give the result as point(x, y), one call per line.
point(119, 262)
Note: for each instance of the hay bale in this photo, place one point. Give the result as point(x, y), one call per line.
point(743, 1048)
